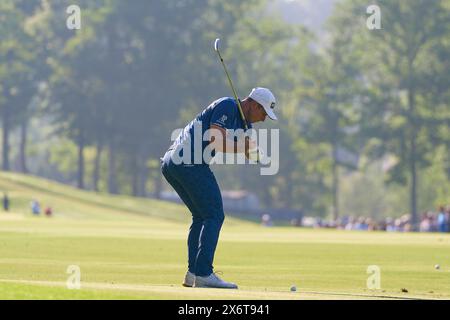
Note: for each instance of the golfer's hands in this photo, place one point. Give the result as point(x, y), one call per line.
point(251, 150)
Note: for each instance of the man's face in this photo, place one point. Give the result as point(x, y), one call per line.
point(259, 114)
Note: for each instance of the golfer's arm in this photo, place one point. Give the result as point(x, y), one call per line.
point(222, 144)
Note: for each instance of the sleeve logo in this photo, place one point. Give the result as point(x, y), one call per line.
point(222, 119)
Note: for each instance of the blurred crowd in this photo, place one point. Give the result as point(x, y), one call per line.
point(35, 206)
point(430, 221)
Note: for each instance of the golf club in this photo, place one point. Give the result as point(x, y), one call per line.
point(216, 48)
point(258, 152)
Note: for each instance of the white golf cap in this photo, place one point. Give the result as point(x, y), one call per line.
point(265, 98)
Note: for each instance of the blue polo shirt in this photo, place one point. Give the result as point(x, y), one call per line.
point(223, 112)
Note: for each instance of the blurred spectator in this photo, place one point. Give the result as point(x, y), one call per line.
point(331, 224)
point(447, 214)
point(35, 207)
point(266, 220)
point(318, 223)
point(48, 211)
point(382, 225)
point(295, 222)
point(397, 224)
point(5, 202)
point(350, 223)
point(390, 225)
point(340, 223)
point(433, 221)
point(371, 225)
point(425, 224)
point(407, 227)
point(429, 222)
point(406, 224)
point(358, 223)
point(442, 220)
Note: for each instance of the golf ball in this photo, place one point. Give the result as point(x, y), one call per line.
point(293, 288)
point(437, 267)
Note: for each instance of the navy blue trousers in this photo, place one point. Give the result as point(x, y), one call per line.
point(198, 188)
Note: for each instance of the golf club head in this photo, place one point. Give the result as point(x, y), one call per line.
point(216, 44)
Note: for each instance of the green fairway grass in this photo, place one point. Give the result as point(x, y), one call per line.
point(131, 248)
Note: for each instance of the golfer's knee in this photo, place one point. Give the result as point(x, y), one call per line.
point(196, 220)
point(216, 218)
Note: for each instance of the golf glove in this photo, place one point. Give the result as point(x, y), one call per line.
point(256, 155)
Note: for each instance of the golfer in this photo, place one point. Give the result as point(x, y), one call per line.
point(196, 185)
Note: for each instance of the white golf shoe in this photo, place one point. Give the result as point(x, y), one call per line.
point(189, 279)
point(213, 281)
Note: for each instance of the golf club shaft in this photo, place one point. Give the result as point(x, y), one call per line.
point(216, 46)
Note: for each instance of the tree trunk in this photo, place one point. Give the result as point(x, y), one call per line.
point(96, 173)
point(143, 174)
point(135, 174)
point(413, 136)
point(335, 185)
point(23, 147)
point(290, 191)
point(412, 161)
point(80, 175)
point(5, 164)
point(112, 176)
point(267, 199)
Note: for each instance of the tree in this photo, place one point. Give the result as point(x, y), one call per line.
point(15, 73)
point(324, 114)
point(409, 52)
point(265, 54)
